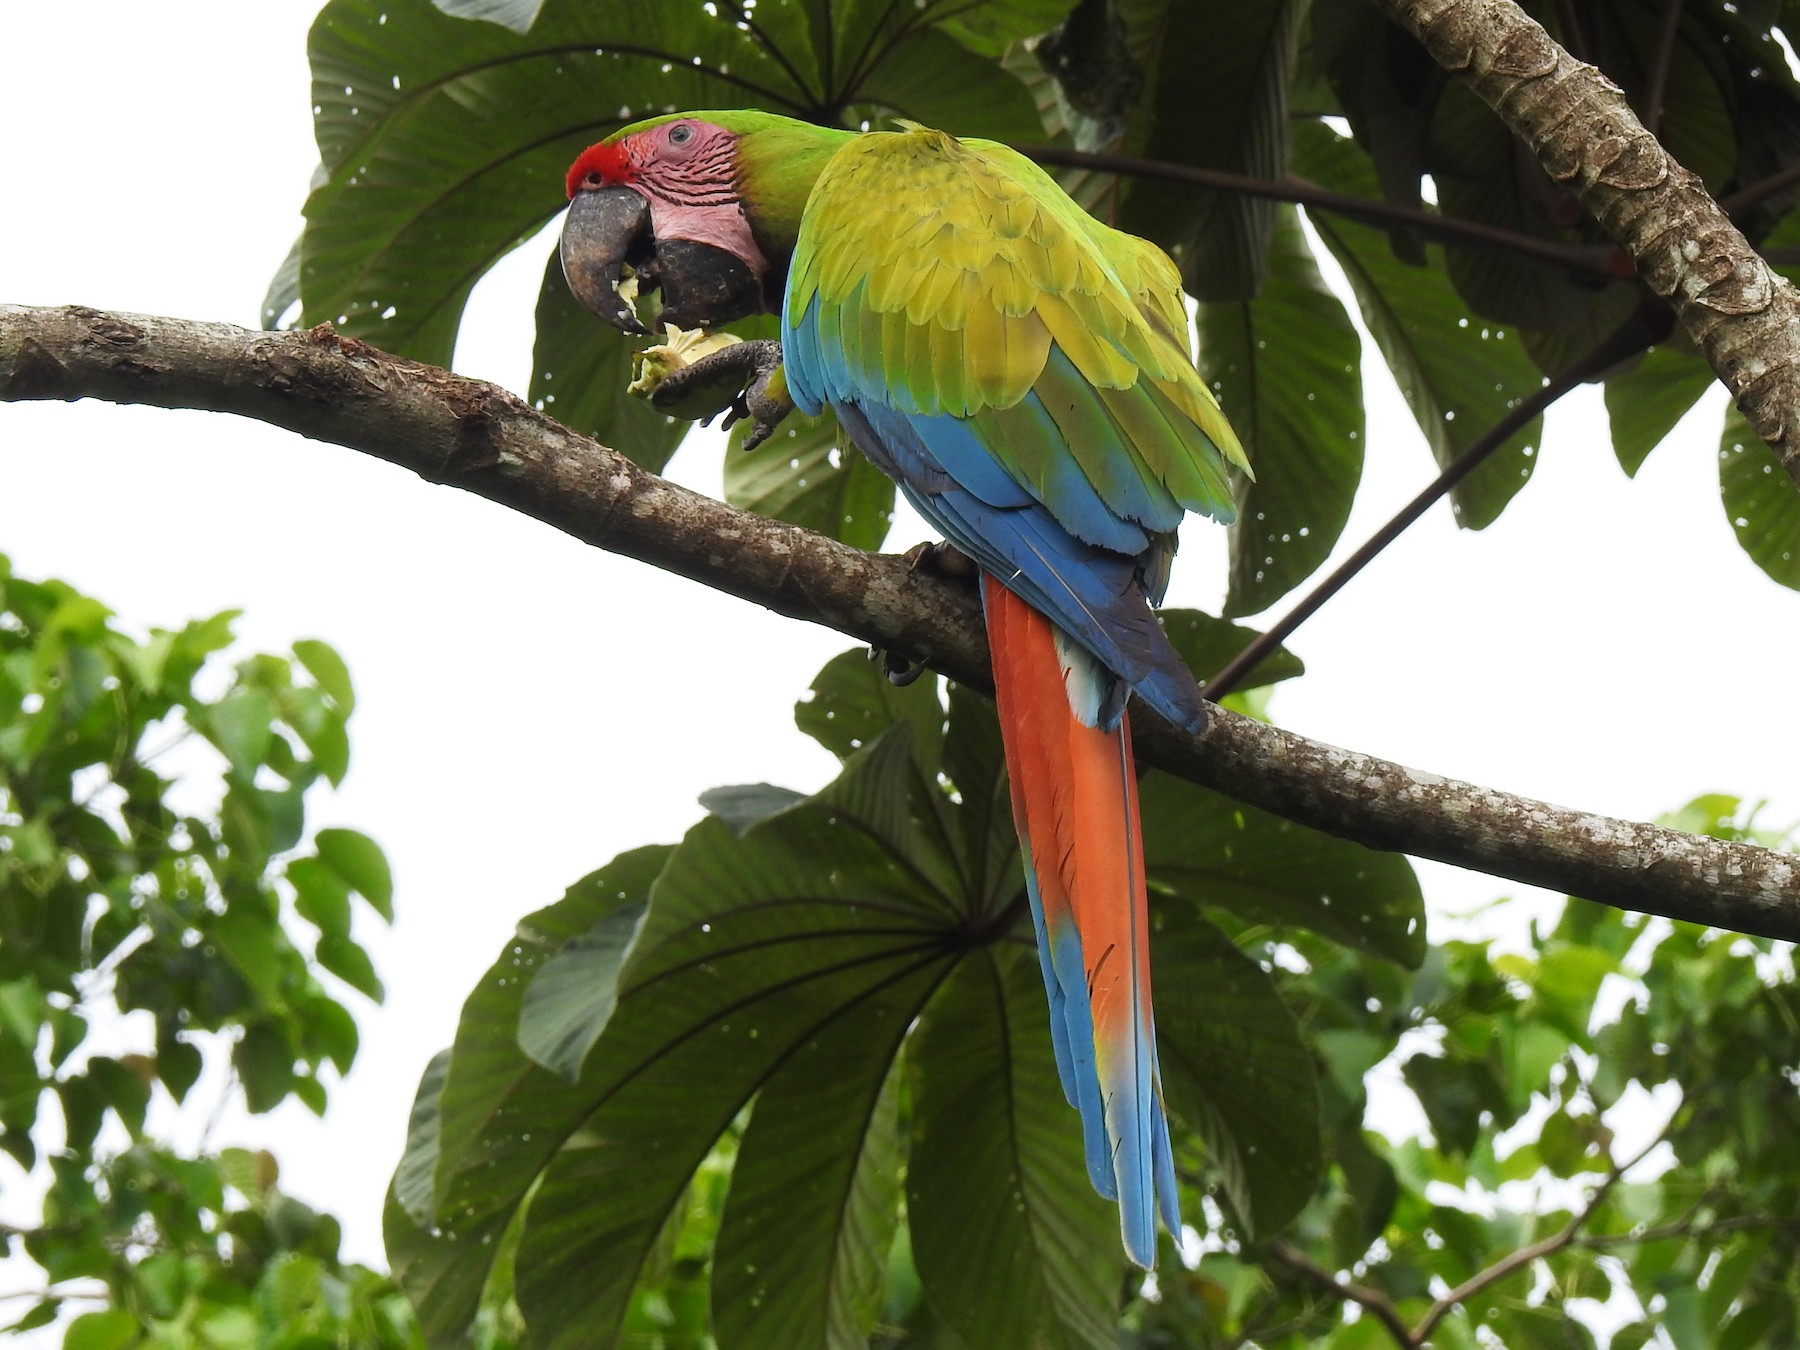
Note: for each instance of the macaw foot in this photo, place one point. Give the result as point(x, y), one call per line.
point(936, 558)
point(755, 368)
point(900, 670)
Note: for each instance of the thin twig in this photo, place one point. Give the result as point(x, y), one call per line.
point(1600, 260)
point(1657, 86)
point(1609, 353)
point(1380, 1307)
point(1685, 1227)
point(1524, 1256)
point(1753, 194)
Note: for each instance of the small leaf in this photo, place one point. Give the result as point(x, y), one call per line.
point(1648, 400)
point(1286, 369)
point(1761, 500)
point(809, 473)
point(748, 804)
point(326, 667)
point(113, 1329)
point(321, 897)
point(178, 1064)
point(264, 1060)
point(1211, 850)
point(240, 724)
point(359, 861)
point(350, 963)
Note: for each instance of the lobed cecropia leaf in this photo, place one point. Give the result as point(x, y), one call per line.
point(1459, 374)
point(826, 993)
point(1286, 367)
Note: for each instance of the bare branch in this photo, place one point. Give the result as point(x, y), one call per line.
point(478, 437)
point(1739, 313)
point(1626, 342)
point(1524, 1256)
point(1380, 1307)
point(1596, 260)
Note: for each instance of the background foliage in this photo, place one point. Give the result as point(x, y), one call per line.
point(786, 1082)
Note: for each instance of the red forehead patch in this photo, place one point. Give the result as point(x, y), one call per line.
point(607, 159)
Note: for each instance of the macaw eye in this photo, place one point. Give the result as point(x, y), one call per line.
point(681, 133)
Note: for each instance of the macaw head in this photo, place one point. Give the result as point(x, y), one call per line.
point(704, 207)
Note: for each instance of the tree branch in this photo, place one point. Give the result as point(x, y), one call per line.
point(476, 436)
point(1739, 313)
point(1597, 260)
point(1524, 1256)
point(1380, 1307)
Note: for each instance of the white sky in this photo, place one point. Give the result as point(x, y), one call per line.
point(529, 707)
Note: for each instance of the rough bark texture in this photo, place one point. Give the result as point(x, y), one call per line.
point(1740, 314)
point(476, 436)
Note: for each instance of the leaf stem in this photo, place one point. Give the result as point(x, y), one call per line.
point(1652, 100)
point(1600, 260)
point(1377, 1303)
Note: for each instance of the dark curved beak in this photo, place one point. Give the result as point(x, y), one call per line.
point(607, 229)
point(704, 286)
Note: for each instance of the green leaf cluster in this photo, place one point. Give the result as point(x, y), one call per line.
point(1622, 1089)
point(790, 1081)
point(190, 905)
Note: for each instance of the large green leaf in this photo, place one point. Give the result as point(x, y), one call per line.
point(1286, 368)
point(1235, 1067)
point(1458, 374)
point(1646, 402)
point(476, 1132)
point(810, 473)
point(1219, 100)
point(997, 1193)
point(1207, 643)
point(1208, 849)
point(1760, 500)
point(752, 946)
point(814, 1201)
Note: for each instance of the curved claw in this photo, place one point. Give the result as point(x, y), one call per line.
point(899, 670)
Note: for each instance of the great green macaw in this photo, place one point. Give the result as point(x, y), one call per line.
point(1023, 372)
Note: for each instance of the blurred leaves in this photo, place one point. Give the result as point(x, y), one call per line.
point(194, 906)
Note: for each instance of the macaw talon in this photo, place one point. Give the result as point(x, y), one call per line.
point(937, 558)
point(753, 364)
point(899, 670)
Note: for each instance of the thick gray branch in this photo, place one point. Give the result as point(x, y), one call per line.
point(1740, 314)
point(478, 437)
